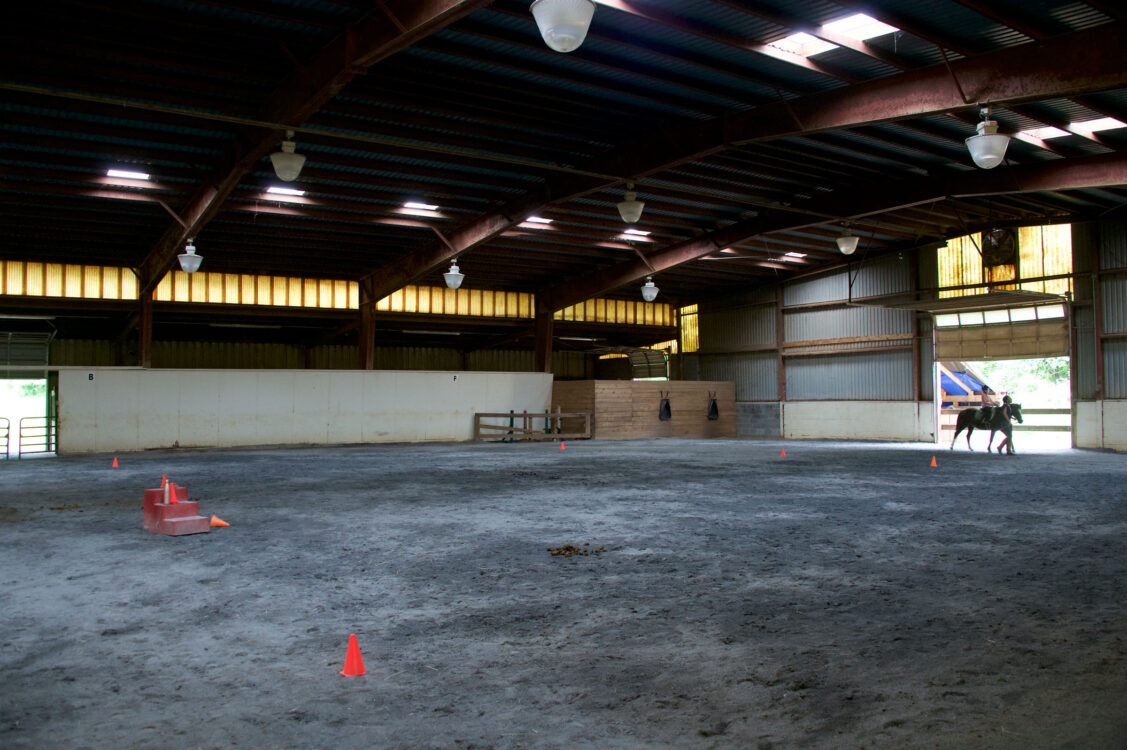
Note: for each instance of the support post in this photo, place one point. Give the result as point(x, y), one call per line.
point(544, 326)
point(145, 332)
point(367, 333)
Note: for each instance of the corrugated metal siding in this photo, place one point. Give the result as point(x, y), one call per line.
point(737, 329)
point(754, 374)
point(1084, 354)
point(1113, 245)
point(814, 325)
point(1113, 299)
point(879, 376)
point(1115, 369)
point(690, 367)
point(334, 358)
point(83, 352)
point(224, 356)
point(886, 276)
point(501, 360)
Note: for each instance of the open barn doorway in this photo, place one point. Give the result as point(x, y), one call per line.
point(1039, 385)
point(27, 417)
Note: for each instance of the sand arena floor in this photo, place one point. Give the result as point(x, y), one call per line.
point(846, 596)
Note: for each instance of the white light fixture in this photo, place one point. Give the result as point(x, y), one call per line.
point(287, 164)
point(189, 261)
point(630, 209)
point(124, 174)
point(453, 277)
point(563, 23)
point(988, 148)
point(649, 291)
point(847, 243)
point(284, 191)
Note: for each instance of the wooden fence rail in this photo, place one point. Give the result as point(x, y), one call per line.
point(524, 425)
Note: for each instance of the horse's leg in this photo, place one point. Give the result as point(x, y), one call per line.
point(970, 431)
point(990, 442)
point(958, 429)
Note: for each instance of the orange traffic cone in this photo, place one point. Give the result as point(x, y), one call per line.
point(562, 448)
point(216, 521)
point(933, 464)
point(115, 462)
point(353, 662)
point(783, 453)
point(163, 480)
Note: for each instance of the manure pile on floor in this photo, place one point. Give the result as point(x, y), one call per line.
point(568, 550)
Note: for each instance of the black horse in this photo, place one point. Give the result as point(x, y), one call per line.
point(969, 419)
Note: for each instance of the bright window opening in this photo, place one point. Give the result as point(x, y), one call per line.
point(861, 27)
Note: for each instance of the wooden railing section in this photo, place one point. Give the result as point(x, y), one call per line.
point(524, 425)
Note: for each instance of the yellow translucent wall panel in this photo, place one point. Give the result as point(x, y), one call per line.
point(410, 299)
point(53, 280)
point(91, 282)
point(72, 281)
point(960, 263)
point(197, 284)
point(247, 289)
point(163, 292)
point(309, 292)
point(13, 278)
point(230, 293)
point(475, 303)
point(1046, 251)
point(525, 305)
point(281, 294)
point(293, 293)
point(264, 290)
point(325, 293)
point(449, 302)
point(422, 300)
point(353, 295)
point(35, 279)
point(463, 302)
point(129, 288)
point(994, 274)
point(111, 283)
point(340, 295)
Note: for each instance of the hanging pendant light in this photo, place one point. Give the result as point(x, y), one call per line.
point(189, 261)
point(563, 23)
point(988, 148)
point(649, 290)
point(630, 209)
point(453, 277)
point(847, 242)
point(287, 164)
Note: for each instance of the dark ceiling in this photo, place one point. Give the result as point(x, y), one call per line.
point(741, 152)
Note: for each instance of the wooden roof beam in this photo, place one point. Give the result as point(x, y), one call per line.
point(297, 98)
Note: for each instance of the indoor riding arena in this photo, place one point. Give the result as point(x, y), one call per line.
point(717, 594)
point(496, 374)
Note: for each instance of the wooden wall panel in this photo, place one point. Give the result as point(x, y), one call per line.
point(626, 410)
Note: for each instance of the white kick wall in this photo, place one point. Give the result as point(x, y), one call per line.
point(904, 421)
point(118, 409)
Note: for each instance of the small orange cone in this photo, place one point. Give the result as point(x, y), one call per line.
point(172, 499)
point(115, 462)
point(216, 521)
point(783, 453)
point(562, 448)
point(933, 464)
point(163, 480)
point(353, 662)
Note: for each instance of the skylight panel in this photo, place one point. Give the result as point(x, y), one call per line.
point(126, 175)
point(861, 26)
point(1095, 126)
point(802, 44)
point(1045, 133)
point(420, 206)
point(284, 191)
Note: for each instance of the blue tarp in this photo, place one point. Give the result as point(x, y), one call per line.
point(952, 386)
point(969, 382)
